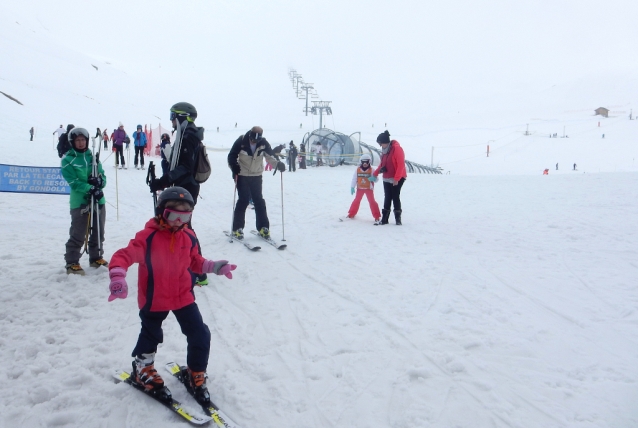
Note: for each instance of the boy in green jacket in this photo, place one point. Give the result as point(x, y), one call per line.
point(76, 169)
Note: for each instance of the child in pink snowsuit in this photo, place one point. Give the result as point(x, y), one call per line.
point(361, 182)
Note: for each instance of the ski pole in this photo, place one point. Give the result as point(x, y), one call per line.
point(117, 195)
point(232, 220)
point(283, 228)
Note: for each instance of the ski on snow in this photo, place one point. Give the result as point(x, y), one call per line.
point(271, 241)
point(212, 410)
point(248, 245)
point(164, 396)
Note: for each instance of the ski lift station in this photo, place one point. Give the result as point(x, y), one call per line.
point(327, 147)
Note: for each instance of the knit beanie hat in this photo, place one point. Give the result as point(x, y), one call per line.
point(384, 137)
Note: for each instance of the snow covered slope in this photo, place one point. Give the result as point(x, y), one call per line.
point(507, 298)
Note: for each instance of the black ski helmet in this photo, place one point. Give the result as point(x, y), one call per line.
point(175, 193)
point(73, 134)
point(184, 111)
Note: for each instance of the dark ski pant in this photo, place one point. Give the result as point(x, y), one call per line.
point(119, 151)
point(193, 327)
point(77, 233)
point(292, 163)
point(248, 187)
point(165, 167)
point(392, 195)
point(139, 150)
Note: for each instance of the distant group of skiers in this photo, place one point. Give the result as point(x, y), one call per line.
point(167, 250)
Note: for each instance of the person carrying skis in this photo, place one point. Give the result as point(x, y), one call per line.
point(183, 158)
point(164, 143)
point(392, 166)
point(76, 170)
point(167, 253)
point(118, 145)
point(246, 161)
point(361, 182)
point(139, 142)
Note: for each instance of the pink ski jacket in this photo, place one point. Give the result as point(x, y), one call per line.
point(166, 260)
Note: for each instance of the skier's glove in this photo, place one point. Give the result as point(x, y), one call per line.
point(382, 170)
point(96, 192)
point(96, 181)
point(219, 267)
point(352, 190)
point(118, 286)
point(281, 166)
point(159, 184)
point(373, 179)
point(235, 169)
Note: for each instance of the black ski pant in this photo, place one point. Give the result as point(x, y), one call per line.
point(139, 150)
point(292, 163)
point(193, 327)
point(392, 195)
point(119, 151)
point(77, 233)
point(247, 187)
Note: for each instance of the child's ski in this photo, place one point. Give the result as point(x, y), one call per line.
point(164, 396)
point(271, 241)
point(248, 245)
point(217, 415)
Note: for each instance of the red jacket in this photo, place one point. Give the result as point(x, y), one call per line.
point(166, 260)
point(394, 162)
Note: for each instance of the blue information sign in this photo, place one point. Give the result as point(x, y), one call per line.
point(32, 179)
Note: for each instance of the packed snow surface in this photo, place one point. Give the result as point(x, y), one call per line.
point(508, 298)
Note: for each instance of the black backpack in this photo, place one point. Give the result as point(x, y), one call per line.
point(63, 145)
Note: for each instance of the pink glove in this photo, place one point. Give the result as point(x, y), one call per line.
point(118, 286)
point(219, 267)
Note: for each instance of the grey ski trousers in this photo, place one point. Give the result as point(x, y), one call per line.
point(77, 232)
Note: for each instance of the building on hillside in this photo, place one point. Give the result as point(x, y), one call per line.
point(602, 111)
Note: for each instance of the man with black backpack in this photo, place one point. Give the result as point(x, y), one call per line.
point(184, 157)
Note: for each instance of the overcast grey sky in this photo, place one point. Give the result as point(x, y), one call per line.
point(371, 58)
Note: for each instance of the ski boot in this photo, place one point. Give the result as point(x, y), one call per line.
point(195, 383)
point(264, 233)
point(377, 221)
point(98, 262)
point(144, 373)
point(74, 268)
point(238, 234)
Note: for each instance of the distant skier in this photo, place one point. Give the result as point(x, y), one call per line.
point(167, 252)
point(392, 166)
point(76, 170)
point(105, 139)
point(574, 167)
point(361, 182)
point(556, 167)
point(292, 157)
point(139, 142)
point(31, 131)
point(119, 136)
point(302, 156)
point(165, 145)
point(59, 132)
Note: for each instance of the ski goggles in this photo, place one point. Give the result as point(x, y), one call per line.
point(255, 136)
point(174, 114)
point(365, 161)
point(182, 216)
